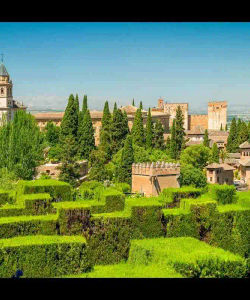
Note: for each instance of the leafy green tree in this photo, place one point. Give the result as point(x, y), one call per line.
point(119, 130)
point(52, 133)
point(8, 179)
point(70, 168)
point(86, 138)
point(232, 141)
point(173, 145)
point(223, 155)
point(180, 131)
point(215, 154)
point(206, 139)
point(158, 136)
point(149, 130)
point(137, 131)
point(69, 124)
point(123, 171)
point(196, 156)
point(21, 145)
point(192, 176)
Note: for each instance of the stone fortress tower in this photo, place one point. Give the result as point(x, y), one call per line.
point(217, 115)
point(7, 105)
point(151, 178)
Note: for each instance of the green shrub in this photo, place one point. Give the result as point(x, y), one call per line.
point(43, 256)
point(122, 187)
point(114, 200)
point(223, 194)
point(188, 256)
point(58, 190)
point(4, 197)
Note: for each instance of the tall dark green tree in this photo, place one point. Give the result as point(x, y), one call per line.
point(158, 136)
point(86, 138)
point(119, 130)
point(105, 133)
point(133, 102)
point(248, 127)
point(115, 108)
point(123, 171)
point(137, 129)
point(77, 104)
point(206, 139)
point(180, 131)
point(125, 123)
point(97, 160)
point(173, 145)
point(84, 109)
point(149, 130)
point(168, 144)
point(215, 154)
point(221, 128)
point(141, 106)
point(243, 133)
point(232, 141)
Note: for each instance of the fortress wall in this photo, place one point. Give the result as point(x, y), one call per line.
point(197, 121)
point(170, 108)
point(217, 115)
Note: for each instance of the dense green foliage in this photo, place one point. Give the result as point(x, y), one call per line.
point(195, 155)
point(192, 176)
point(137, 131)
point(206, 139)
point(149, 130)
point(158, 138)
point(215, 154)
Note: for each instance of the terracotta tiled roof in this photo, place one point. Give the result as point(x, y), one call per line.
point(59, 115)
point(245, 163)
point(245, 145)
point(130, 109)
point(196, 130)
point(224, 166)
point(190, 143)
point(217, 133)
point(234, 155)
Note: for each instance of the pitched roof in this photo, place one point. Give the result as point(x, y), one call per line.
point(130, 109)
point(245, 163)
point(245, 145)
point(3, 71)
point(224, 166)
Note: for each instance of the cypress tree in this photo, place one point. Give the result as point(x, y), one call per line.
point(125, 123)
point(124, 169)
point(52, 133)
point(173, 146)
point(232, 141)
point(221, 128)
point(105, 133)
point(243, 133)
point(119, 130)
point(180, 131)
point(226, 128)
point(84, 109)
point(137, 129)
point(133, 102)
point(149, 130)
point(115, 108)
point(141, 107)
point(248, 126)
point(69, 124)
point(86, 138)
point(215, 154)
point(206, 139)
point(158, 137)
point(77, 104)
point(168, 143)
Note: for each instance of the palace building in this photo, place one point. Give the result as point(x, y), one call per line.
point(7, 104)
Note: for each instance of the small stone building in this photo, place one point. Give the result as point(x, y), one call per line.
point(53, 169)
point(220, 173)
point(245, 163)
point(151, 178)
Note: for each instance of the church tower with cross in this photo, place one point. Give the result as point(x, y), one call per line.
point(8, 105)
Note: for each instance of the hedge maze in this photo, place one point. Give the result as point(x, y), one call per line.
point(49, 230)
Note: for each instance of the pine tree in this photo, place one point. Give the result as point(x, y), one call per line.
point(133, 102)
point(215, 154)
point(119, 130)
point(232, 141)
point(180, 131)
point(124, 169)
point(77, 104)
point(84, 109)
point(206, 139)
point(149, 130)
point(158, 137)
point(86, 138)
point(137, 129)
point(173, 145)
point(125, 123)
point(141, 107)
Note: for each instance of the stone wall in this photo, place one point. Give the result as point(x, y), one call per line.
point(217, 115)
point(197, 122)
point(170, 108)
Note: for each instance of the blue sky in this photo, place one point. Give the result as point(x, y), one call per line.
point(181, 62)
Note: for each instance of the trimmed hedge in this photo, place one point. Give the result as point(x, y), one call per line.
point(58, 190)
point(172, 196)
point(188, 256)
point(43, 256)
point(28, 225)
point(114, 200)
point(7, 197)
point(223, 194)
